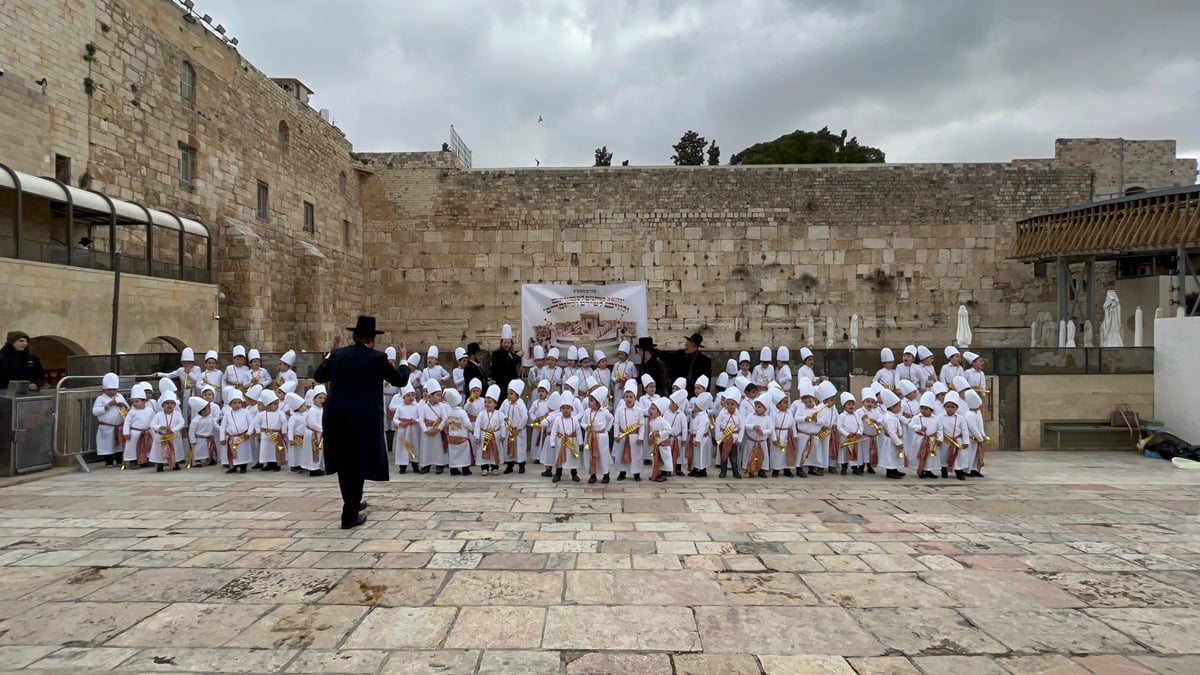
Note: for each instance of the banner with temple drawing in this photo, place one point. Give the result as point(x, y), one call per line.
point(593, 317)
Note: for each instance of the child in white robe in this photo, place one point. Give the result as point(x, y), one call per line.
point(783, 371)
point(910, 407)
point(491, 436)
point(110, 409)
point(408, 432)
point(202, 432)
point(516, 416)
point(850, 434)
point(539, 410)
point(952, 369)
point(294, 429)
point(891, 440)
point(783, 447)
point(807, 362)
point(258, 374)
point(597, 423)
point(554, 411)
point(237, 374)
point(759, 434)
point(623, 369)
point(729, 432)
point(928, 374)
point(886, 375)
point(629, 433)
point(167, 427)
point(431, 419)
point(764, 373)
point(552, 371)
point(566, 440)
point(698, 450)
point(188, 374)
point(271, 426)
point(459, 374)
point(677, 417)
point(872, 426)
point(212, 376)
point(968, 459)
point(956, 437)
point(927, 435)
point(458, 434)
point(825, 417)
point(435, 371)
point(312, 453)
point(136, 430)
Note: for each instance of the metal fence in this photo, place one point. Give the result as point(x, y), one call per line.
point(458, 147)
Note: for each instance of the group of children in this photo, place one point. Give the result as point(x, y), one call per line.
point(237, 418)
point(584, 416)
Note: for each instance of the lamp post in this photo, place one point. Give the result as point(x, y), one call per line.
point(116, 310)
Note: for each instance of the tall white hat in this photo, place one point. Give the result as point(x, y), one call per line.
point(910, 349)
point(572, 382)
point(887, 399)
point(952, 397)
point(539, 352)
point(289, 357)
point(168, 397)
point(662, 404)
point(239, 350)
point(647, 380)
point(572, 353)
point(623, 348)
point(807, 389)
point(846, 396)
point(432, 353)
point(288, 387)
point(590, 383)
point(319, 389)
point(928, 400)
point(544, 384)
point(631, 386)
point(972, 399)
point(187, 354)
point(390, 353)
point(267, 397)
point(680, 382)
point(253, 393)
point(517, 387)
point(210, 354)
point(553, 353)
point(235, 395)
point(293, 400)
point(907, 387)
point(167, 384)
point(960, 383)
point(867, 392)
point(475, 383)
point(138, 391)
point(506, 332)
point(253, 354)
point(764, 354)
point(493, 392)
point(196, 404)
point(452, 397)
point(826, 390)
point(601, 395)
point(731, 367)
point(702, 381)
point(923, 352)
point(722, 381)
point(414, 360)
point(939, 387)
point(460, 353)
point(703, 401)
point(432, 386)
point(598, 356)
point(950, 350)
point(969, 357)
point(782, 354)
point(886, 355)
point(744, 356)
point(110, 381)
point(679, 398)
point(732, 394)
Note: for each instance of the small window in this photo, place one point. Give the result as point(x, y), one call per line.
point(1039, 270)
point(187, 165)
point(187, 82)
point(1135, 190)
point(264, 201)
point(342, 182)
point(309, 220)
point(283, 136)
point(62, 168)
point(345, 233)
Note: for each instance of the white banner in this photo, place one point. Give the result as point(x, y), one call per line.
point(594, 317)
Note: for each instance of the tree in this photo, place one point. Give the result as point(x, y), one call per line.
point(603, 157)
point(810, 147)
point(689, 151)
point(714, 153)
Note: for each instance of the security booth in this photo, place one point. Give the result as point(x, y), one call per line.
point(26, 429)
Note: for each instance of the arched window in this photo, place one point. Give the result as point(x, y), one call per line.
point(1135, 190)
point(187, 82)
point(283, 136)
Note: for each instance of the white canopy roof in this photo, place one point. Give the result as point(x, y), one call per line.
point(93, 201)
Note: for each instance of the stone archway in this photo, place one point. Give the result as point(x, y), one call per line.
point(53, 351)
point(163, 344)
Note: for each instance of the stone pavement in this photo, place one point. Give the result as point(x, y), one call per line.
point(1062, 563)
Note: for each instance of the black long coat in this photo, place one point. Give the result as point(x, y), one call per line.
point(353, 418)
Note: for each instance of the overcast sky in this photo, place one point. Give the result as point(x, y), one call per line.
point(924, 80)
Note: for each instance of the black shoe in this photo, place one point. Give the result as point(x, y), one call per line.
point(661, 479)
point(621, 476)
point(159, 469)
point(108, 460)
point(424, 469)
point(242, 469)
point(231, 470)
point(961, 475)
point(316, 474)
point(945, 473)
point(844, 469)
point(816, 472)
point(574, 475)
point(975, 474)
point(679, 469)
point(347, 524)
point(800, 472)
point(257, 466)
point(547, 473)
point(604, 480)
point(402, 469)
point(466, 471)
point(521, 467)
point(637, 477)
point(870, 469)
point(455, 472)
point(646, 462)
point(668, 474)
point(591, 479)
point(737, 474)
point(296, 469)
point(557, 476)
point(702, 473)
point(276, 467)
point(892, 473)
point(724, 472)
point(439, 470)
point(363, 506)
point(508, 468)
point(774, 473)
point(762, 473)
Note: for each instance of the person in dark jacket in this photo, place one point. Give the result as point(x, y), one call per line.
point(653, 364)
point(506, 364)
point(689, 363)
point(18, 363)
point(474, 369)
point(353, 419)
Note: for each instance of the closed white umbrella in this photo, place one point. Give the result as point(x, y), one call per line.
point(1033, 334)
point(963, 336)
point(1089, 334)
point(1070, 334)
point(854, 332)
point(829, 332)
point(1062, 334)
point(812, 330)
point(1110, 330)
point(1139, 338)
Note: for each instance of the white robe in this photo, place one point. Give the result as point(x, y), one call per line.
point(597, 455)
point(633, 421)
point(314, 433)
point(108, 434)
point(518, 417)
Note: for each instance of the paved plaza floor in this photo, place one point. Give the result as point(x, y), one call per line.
point(1055, 563)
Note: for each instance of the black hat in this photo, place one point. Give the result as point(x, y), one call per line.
point(473, 348)
point(696, 339)
point(646, 343)
point(365, 326)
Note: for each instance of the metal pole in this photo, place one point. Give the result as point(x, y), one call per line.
point(1091, 293)
point(1062, 288)
point(116, 306)
point(1181, 271)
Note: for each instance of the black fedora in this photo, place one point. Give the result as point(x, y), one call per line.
point(696, 339)
point(646, 343)
point(365, 326)
point(473, 348)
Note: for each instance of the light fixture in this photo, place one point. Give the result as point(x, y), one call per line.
point(189, 3)
point(233, 41)
point(207, 19)
point(220, 29)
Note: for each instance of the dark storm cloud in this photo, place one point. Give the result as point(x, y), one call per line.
point(925, 80)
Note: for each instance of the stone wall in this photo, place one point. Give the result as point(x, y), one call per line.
point(1081, 397)
point(280, 286)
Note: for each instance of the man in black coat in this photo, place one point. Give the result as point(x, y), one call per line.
point(353, 419)
point(690, 363)
point(474, 369)
point(654, 365)
point(18, 363)
point(506, 364)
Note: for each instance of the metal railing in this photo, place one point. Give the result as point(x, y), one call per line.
point(75, 426)
point(458, 147)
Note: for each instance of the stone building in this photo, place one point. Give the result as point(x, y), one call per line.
point(142, 101)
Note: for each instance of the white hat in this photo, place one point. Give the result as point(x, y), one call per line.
point(805, 352)
point(293, 400)
point(702, 381)
point(826, 390)
point(517, 387)
point(598, 356)
point(775, 386)
point(309, 396)
point(742, 382)
point(319, 389)
point(147, 385)
point(732, 394)
point(552, 400)
point(876, 387)
point(235, 395)
point(647, 380)
point(807, 389)
point(208, 387)
point(187, 355)
point(722, 381)
point(407, 389)
point(110, 381)
point(475, 383)
point(744, 356)
point(539, 352)
point(506, 332)
point(703, 401)
point(972, 399)
point(289, 357)
point(952, 397)
point(623, 348)
point(662, 404)
point(630, 387)
point(167, 384)
point(764, 354)
point(414, 360)
point(601, 395)
point(887, 399)
point(589, 383)
point(390, 352)
point(253, 392)
point(544, 384)
point(867, 392)
point(460, 353)
point(196, 404)
point(970, 357)
point(138, 391)
point(453, 398)
point(226, 392)
point(679, 398)
point(288, 387)
point(432, 353)
point(267, 397)
point(210, 354)
point(572, 353)
point(910, 349)
point(572, 382)
point(928, 400)
point(584, 354)
point(493, 392)
point(950, 350)
point(960, 383)
point(566, 400)
point(939, 388)
point(767, 399)
point(553, 353)
point(886, 355)
point(680, 382)
point(168, 397)
point(907, 387)
point(731, 367)
point(846, 396)
point(253, 354)
point(782, 354)
point(432, 387)
point(239, 350)
point(923, 352)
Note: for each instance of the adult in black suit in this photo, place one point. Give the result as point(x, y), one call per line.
point(353, 419)
point(690, 363)
point(506, 363)
point(653, 365)
point(474, 369)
